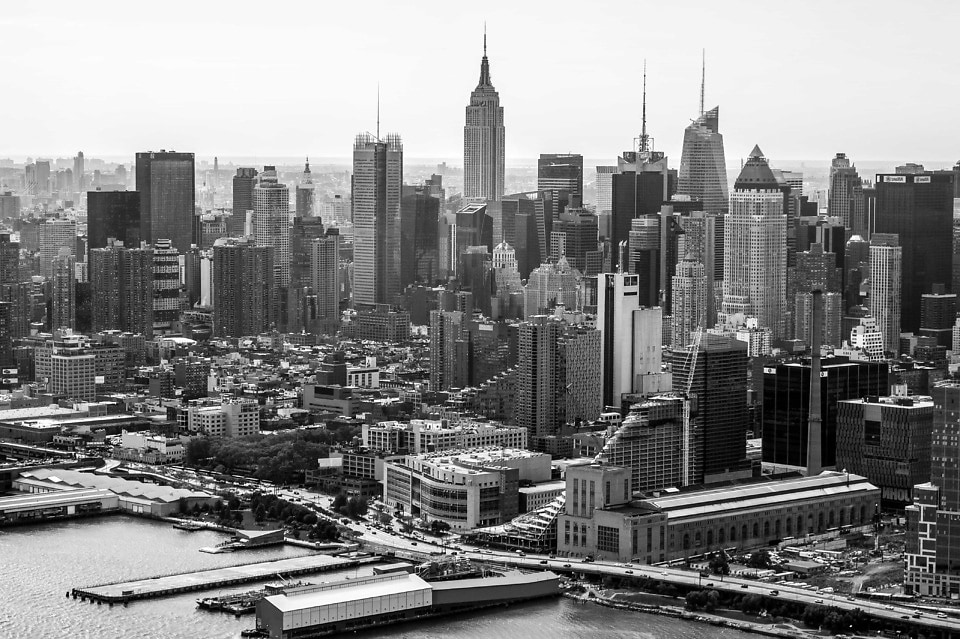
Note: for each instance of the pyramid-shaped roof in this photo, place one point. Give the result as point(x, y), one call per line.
point(756, 173)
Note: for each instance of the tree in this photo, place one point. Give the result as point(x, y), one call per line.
point(759, 560)
point(438, 527)
point(719, 564)
point(233, 503)
point(259, 514)
point(338, 503)
point(385, 519)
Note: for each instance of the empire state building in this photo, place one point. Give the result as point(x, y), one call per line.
point(483, 139)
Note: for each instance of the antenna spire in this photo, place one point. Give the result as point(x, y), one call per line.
point(703, 78)
point(484, 38)
point(643, 131)
point(378, 111)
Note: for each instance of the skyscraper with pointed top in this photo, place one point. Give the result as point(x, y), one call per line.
point(305, 193)
point(755, 246)
point(703, 172)
point(483, 139)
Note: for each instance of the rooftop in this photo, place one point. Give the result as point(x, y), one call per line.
point(69, 479)
point(344, 592)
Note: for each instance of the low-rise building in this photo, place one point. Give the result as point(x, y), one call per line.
point(429, 435)
point(230, 418)
point(150, 448)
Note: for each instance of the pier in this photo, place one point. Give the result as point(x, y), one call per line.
point(163, 586)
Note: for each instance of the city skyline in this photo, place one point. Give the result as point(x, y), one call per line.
point(189, 109)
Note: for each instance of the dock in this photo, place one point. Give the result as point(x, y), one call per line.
point(163, 586)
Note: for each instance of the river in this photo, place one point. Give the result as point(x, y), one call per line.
point(39, 564)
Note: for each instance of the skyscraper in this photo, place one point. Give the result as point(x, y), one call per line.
point(78, 169)
point(271, 222)
point(845, 199)
point(53, 235)
point(755, 245)
point(166, 286)
point(449, 350)
point(919, 208)
point(377, 188)
point(641, 186)
point(306, 193)
point(301, 296)
point(243, 285)
point(113, 214)
point(562, 175)
point(166, 183)
point(63, 292)
point(886, 277)
point(325, 275)
point(122, 290)
point(689, 305)
point(483, 139)
point(703, 171)
point(243, 184)
point(419, 246)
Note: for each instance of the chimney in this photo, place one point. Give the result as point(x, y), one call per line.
point(814, 416)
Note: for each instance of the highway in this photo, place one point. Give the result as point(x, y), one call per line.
point(426, 545)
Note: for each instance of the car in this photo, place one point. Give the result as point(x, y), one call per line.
point(889, 607)
point(917, 615)
point(553, 556)
point(744, 586)
point(543, 561)
point(630, 572)
point(941, 615)
point(818, 601)
point(665, 573)
point(373, 532)
point(566, 565)
point(904, 616)
point(413, 543)
point(774, 593)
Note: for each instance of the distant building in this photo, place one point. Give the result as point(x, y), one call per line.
point(243, 184)
point(63, 292)
point(271, 222)
point(430, 435)
point(483, 139)
point(703, 172)
point(306, 193)
point(244, 295)
point(886, 293)
point(229, 419)
point(113, 214)
point(54, 235)
point(166, 183)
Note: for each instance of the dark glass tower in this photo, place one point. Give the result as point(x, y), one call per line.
point(166, 183)
point(243, 184)
point(703, 171)
point(113, 214)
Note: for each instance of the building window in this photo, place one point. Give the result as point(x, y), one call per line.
point(649, 539)
point(608, 539)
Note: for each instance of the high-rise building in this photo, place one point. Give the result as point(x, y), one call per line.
point(63, 292)
point(306, 193)
point(377, 187)
point(786, 405)
point(755, 244)
point(938, 313)
point(887, 440)
point(78, 169)
point(918, 208)
point(932, 549)
point(271, 222)
point(713, 374)
point(552, 285)
point(576, 229)
point(689, 305)
point(604, 188)
point(631, 338)
point(703, 171)
point(122, 289)
point(325, 274)
point(483, 139)
point(830, 319)
point(886, 278)
point(419, 236)
point(301, 297)
point(562, 175)
point(54, 235)
point(641, 186)
point(702, 239)
point(166, 183)
point(105, 278)
point(845, 200)
point(243, 184)
point(449, 350)
point(166, 286)
point(113, 214)
point(243, 285)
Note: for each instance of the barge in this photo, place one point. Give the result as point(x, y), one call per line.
point(327, 609)
point(243, 603)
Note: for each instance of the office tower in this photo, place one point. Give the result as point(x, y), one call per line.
point(165, 181)
point(243, 184)
point(42, 177)
point(562, 175)
point(856, 267)
point(377, 183)
point(306, 193)
point(650, 442)
point(62, 292)
point(53, 235)
point(713, 374)
point(9, 260)
point(689, 308)
point(552, 285)
point(786, 405)
point(919, 209)
point(419, 236)
point(301, 301)
point(702, 240)
point(243, 286)
point(755, 245)
point(9, 205)
point(641, 186)
point(630, 337)
point(558, 375)
point(932, 545)
point(815, 269)
point(271, 222)
point(105, 279)
point(166, 286)
point(886, 279)
point(938, 313)
point(78, 169)
point(643, 251)
point(604, 187)
point(887, 440)
point(474, 227)
point(325, 274)
point(475, 274)
point(483, 139)
point(830, 318)
point(845, 200)
point(113, 214)
point(122, 289)
point(703, 172)
point(524, 221)
point(449, 350)
point(577, 231)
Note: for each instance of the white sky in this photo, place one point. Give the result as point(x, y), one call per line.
point(804, 79)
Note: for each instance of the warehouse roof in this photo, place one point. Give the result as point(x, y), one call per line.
point(125, 487)
point(31, 501)
point(343, 592)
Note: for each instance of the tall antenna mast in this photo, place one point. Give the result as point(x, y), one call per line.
point(703, 79)
point(484, 38)
point(643, 131)
point(378, 111)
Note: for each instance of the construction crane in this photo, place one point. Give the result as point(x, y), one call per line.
point(691, 372)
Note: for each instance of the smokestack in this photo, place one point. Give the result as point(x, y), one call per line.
point(814, 416)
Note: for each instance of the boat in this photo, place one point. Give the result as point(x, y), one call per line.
point(190, 526)
point(246, 602)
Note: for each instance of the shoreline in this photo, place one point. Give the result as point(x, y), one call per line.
point(698, 617)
